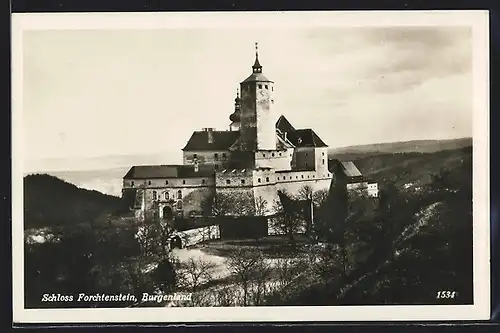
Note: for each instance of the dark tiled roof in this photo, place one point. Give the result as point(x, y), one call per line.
point(169, 171)
point(284, 125)
point(222, 140)
point(257, 77)
point(305, 138)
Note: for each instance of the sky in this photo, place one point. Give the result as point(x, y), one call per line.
point(93, 93)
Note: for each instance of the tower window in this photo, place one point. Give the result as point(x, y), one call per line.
point(243, 181)
point(267, 179)
point(154, 195)
point(302, 176)
point(260, 86)
point(167, 196)
point(184, 181)
point(179, 194)
point(278, 178)
point(323, 153)
point(166, 182)
point(290, 177)
point(258, 180)
point(132, 183)
point(272, 88)
point(228, 182)
point(323, 161)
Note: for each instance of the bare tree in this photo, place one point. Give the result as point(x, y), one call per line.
point(243, 264)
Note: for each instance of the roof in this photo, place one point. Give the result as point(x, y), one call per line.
point(305, 138)
point(284, 125)
point(222, 140)
point(256, 77)
point(169, 171)
point(350, 169)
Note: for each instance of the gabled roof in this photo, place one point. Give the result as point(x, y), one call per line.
point(222, 140)
point(305, 138)
point(169, 171)
point(350, 170)
point(284, 125)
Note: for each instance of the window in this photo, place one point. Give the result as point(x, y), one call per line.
point(306, 164)
point(278, 178)
point(267, 179)
point(184, 181)
point(323, 153)
point(195, 156)
point(296, 177)
point(203, 181)
point(258, 180)
point(223, 156)
point(272, 154)
point(154, 195)
point(179, 194)
point(323, 161)
point(179, 205)
point(314, 176)
point(132, 183)
point(302, 176)
point(308, 176)
point(149, 182)
point(166, 182)
point(243, 181)
point(306, 154)
point(260, 86)
point(280, 154)
point(216, 156)
point(228, 182)
point(167, 196)
point(263, 155)
point(290, 177)
point(266, 86)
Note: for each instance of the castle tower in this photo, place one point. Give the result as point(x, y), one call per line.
point(235, 116)
point(257, 123)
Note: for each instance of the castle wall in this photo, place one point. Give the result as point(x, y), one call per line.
point(248, 117)
point(220, 158)
point(275, 159)
point(304, 158)
point(321, 159)
point(235, 192)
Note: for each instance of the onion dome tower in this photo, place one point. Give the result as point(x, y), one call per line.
point(235, 116)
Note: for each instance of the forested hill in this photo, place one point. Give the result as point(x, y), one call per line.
point(50, 201)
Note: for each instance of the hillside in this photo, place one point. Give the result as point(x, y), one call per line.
point(416, 146)
point(413, 167)
point(50, 201)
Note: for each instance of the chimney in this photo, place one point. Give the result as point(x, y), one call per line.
point(210, 135)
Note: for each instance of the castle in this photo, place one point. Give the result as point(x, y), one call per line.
point(239, 170)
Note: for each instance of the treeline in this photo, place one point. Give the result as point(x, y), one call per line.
point(50, 201)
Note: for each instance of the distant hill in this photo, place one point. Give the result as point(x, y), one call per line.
point(50, 201)
point(414, 167)
point(417, 146)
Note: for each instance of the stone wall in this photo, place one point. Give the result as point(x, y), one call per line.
point(274, 159)
point(303, 159)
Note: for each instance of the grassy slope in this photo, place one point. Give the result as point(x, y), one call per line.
point(411, 167)
point(50, 201)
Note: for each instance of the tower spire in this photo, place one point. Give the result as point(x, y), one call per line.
point(257, 68)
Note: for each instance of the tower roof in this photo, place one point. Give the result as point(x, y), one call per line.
point(256, 70)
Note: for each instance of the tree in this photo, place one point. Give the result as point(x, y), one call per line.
point(243, 264)
point(288, 219)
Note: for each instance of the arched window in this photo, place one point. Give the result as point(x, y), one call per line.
point(167, 196)
point(154, 195)
point(179, 194)
point(179, 205)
